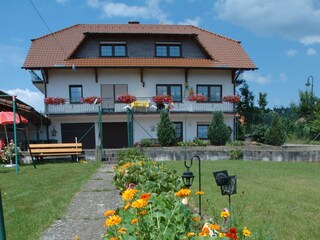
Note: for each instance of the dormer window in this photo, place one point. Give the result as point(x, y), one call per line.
point(168, 49)
point(113, 49)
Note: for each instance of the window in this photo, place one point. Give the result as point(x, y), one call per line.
point(75, 93)
point(175, 91)
point(168, 50)
point(109, 49)
point(202, 131)
point(211, 92)
point(178, 127)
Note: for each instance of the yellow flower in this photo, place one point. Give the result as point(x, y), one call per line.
point(154, 162)
point(126, 165)
point(246, 232)
point(222, 234)
point(140, 203)
point(109, 213)
point(128, 194)
point(190, 234)
point(225, 214)
point(126, 207)
point(122, 230)
point(183, 193)
point(112, 220)
point(196, 219)
point(199, 193)
point(214, 226)
point(134, 221)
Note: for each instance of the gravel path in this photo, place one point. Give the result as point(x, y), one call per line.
point(84, 217)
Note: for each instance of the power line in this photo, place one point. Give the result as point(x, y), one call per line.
point(47, 26)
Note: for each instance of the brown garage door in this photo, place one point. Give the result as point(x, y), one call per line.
point(115, 135)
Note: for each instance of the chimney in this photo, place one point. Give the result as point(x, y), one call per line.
point(133, 22)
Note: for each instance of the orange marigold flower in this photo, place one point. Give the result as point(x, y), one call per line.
point(140, 203)
point(126, 207)
point(205, 232)
point(190, 234)
point(134, 221)
point(112, 220)
point(183, 193)
point(126, 165)
point(196, 219)
point(214, 226)
point(145, 196)
point(128, 194)
point(200, 193)
point(144, 212)
point(109, 213)
point(122, 230)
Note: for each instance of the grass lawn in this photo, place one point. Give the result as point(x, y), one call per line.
point(36, 197)
point(280, 199)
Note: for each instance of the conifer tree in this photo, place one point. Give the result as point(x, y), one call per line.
point(166, 132)
point(218, 132)
point(276, 134)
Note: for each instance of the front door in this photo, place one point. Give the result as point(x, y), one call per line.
point(115, 135)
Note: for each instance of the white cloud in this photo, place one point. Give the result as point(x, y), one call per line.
point(150, 10)
point(311, 52)
point(292, 52)
point(188, 21)
point(34, 99)
point(256, 78)
point(290, 19)
point(12, 55)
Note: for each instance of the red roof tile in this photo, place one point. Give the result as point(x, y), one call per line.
point(54, 49)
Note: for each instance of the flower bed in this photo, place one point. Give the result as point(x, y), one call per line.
point(91, 100)
point(231, 99)
point(196, 98)
point(54, 101)
point(126, 98)
point(155, 206)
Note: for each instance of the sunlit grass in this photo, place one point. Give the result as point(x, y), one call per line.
point(36, 197)
point(280, 199)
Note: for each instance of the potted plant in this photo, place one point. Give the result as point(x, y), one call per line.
point(91, 100)
point(126, 98)
point(196, 98)
point(54, 101)
point(160, 100)
point(231, 99)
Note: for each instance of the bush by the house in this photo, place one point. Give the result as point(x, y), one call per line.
point(166, 133)
point(218, 132)
point(276, 134)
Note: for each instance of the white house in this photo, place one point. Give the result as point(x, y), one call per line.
point(106, 60)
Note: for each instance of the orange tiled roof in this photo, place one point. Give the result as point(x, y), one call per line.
point(54, 50)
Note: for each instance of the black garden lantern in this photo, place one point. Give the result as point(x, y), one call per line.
point(187, 178)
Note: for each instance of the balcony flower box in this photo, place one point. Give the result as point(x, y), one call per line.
point(126, 98)
point(91, 100)
point(54, 101)
point(231, 99)
point(161, 100)
point(197, 98)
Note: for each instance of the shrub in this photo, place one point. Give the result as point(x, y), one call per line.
point(276, 135)
point(200, 142)
point(166, 133)
point(218, 132)
point(258, 133)
point(236, 154)
point(146, 143)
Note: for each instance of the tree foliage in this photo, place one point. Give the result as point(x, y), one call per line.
point(218, 132)
point(165, 130)
point(276, 134)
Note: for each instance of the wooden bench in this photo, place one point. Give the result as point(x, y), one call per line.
point(55, 149)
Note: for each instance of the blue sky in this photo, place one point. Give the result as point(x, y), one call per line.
point(282, 37)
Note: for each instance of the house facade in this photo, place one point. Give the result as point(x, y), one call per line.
point(86, 67)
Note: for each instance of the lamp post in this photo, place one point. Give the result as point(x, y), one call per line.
point(188, 177)
point(311, 100)
point(227, 184)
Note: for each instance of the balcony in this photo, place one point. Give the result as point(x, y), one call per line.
point(144, 105)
